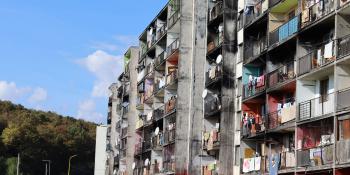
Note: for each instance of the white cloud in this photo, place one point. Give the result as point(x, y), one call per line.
point(105, 46)
point(87, 111)
point(126, 40)
point(39, 95)
point(10, 91)
point(105, 68)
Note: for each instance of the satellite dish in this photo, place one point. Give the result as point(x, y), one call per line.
point(205, 93)
point(156, 132)
point(133, 166)
point(220, 29)
point(219, 59)
point(147, 162)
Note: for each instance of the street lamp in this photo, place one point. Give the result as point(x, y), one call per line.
point(47, 162)
point(70, 158)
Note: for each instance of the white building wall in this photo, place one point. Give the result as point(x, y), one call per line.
point(100, 151)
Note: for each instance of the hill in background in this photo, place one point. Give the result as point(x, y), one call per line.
point(38, 136)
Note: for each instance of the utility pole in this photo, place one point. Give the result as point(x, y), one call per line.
point(18, 159)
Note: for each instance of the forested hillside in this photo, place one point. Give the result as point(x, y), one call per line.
point(38, 136)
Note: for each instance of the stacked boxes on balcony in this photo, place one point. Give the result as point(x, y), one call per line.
point(295, 87)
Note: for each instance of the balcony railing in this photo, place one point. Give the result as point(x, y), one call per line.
point(147, 145)
point(342, 152)
point(172, 47)
point(288, 160)
point(173, 18)
point(251, 129)
point(316, 11)
point(343, 46)
point(316, 107)
point(278, 118)
point(254, 47)
point(284, 31)
point(255, 13)
point(170, 105)
point(169, 159)
point(159, 84)
point(124, 132)
point(343, 99)
point(171, 78)
point(214, 74)
point(316, 58)
point(315, 157)
point(216, 11)
point(142, 51)
point(161, 31)
point(252, 89)
point(152, 41)
point(211, 140)
point(159, 59)
point(282, 74)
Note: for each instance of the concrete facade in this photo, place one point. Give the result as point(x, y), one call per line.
point(101, 167)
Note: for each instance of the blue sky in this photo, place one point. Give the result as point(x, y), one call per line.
point(61, 55)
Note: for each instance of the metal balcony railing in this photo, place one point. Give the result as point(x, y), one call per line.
point(254, 47)
point(161, 31)
point(216, 11)
point(157, 141)
point(172, 47)
point(315, 157)
point(169, 135)
point(251, 129)
point(173, 18)
point(316, 107)
point(316, 11)
point(252, 89)
point(214, 74)
point(316, 59)
point(284, 31)
point(158, 113)
point(278, 118)
point(280, 75)
point(343, 47)
point(143, 50)
point(169, 158)
point(159, 59)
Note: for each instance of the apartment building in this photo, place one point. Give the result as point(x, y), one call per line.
point(101, 166)
point(295, 86)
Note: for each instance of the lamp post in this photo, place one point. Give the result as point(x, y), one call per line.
point(70, 158)
point(47, 170)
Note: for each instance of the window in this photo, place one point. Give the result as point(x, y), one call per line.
point(324, 90)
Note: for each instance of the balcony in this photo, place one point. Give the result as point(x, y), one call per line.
point(169, 159)
point(161, 32)
point(143, 50)
point(157, 141)
point(216, 11)
point(173, 18)
point(148, 119)
point(252, 88)
point(174, 46)
point(256, 12)
point(281, 75)
point(284, 31)
point(213, 47)
point(342, 151)
point(147, 145)
point(211, 140)
point(158, 113)
point(282, 116)
point(124, 132)
point(249, 128)
point(315, 157)
point(316, 58)
point(317, 107)
point(171, 78)
point(213, 76)
point(343, 47)
point(253, 48)
point(139, 123)
point(343, 100)
point(159, 84)
point(169, 134)
point(151, 42)
point(138, 148)
point(212, 105)
point(170, 105)
point(312, 11)
point(159, 60)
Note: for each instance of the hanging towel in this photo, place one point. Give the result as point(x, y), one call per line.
point(257, 163)
point(328, 50)
point(260, 81)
